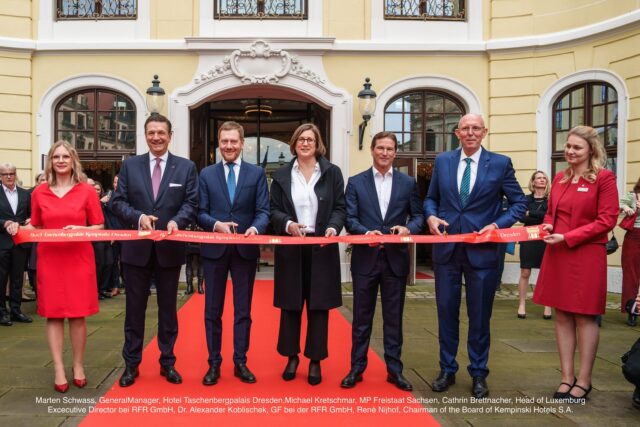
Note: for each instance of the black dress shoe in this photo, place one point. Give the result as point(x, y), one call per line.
point(189, 290)
point(479, 389)
point(212, 376)
point(105, 294)
point(129, 376)
point(171, 374)
point(564, 394)
point(315, 374)
point(399, 380)
point(5, 320)
point(291, 368)
point(351, 379)
point(443, 382)
point(572, 398)
point(246, 376)
point(21, 317)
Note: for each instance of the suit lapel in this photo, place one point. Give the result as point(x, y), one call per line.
point(373, 193)
point(286, 183)
point(453, 175)
point(219, 172)
point(146, 175)
point(244, 170)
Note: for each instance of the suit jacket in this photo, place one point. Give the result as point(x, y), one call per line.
point(594, 216)
point(249, 208)
point(495, 179)
point(177, 201)
point(6, 214)
point(363, 214)
point(325, 291)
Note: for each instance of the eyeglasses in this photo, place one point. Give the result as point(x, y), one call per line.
point(473, 129)
point(8, 174)
point(309, 141)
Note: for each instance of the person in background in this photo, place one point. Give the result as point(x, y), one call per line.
point(113, 223)
point(629, 205)
point(31, 260)
point(66, 270)
point(307, 199)
point(583, 208)
point(194, 265)
point(531, 252)
point(103, 253)
point(15, 209)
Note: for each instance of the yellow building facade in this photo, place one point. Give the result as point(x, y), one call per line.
point(79, 70)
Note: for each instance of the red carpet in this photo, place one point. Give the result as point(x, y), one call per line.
point(421, 275)
point(271, 400)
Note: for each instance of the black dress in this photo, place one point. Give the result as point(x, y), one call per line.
point(531, 253)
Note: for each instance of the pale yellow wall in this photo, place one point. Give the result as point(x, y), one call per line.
point(348, 72)
point(519, 18)
point(15, 18)
point(347, 20)
point(15, 112)
point(172, 21)
point(135, 68)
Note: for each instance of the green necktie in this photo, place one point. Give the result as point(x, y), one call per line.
point(465, 184)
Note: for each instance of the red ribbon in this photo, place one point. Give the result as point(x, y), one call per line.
point(515, 234)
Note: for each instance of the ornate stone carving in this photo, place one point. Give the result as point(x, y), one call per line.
point(260, 64)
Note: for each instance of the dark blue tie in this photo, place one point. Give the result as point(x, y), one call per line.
point(231, 181)
point(465, 184)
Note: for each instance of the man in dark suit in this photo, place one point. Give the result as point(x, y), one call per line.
point(156, 190)
point(15, 209)
point(233, 198)
point(465, 196)
point(380, 201)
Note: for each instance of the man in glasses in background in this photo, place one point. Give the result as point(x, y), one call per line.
point(465, 196)
point(15, 209)
point(234, 198)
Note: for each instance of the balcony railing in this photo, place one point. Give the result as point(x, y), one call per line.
point(438, 10)
point(260, 9)
point(96, 9)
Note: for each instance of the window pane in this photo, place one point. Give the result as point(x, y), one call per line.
point(84, 141)
point(612, 164)
point(577, 98)
point(564, 102)
point(434, 142)
point(393, 122)
point(107, 140)
point(435, 104)
point(409, 142)
point(599, 94)
point(612, 95)
point(395, 106)
point(451, 107)
point(106, 101)
point(452, 142)
point(106, 120)
point(66, 120)
point(79, 101)
point(562, 120)
point(127, 140)
point(559, 166)
point(413, 103)
point(577, 117)
point(612, 113)
point(434, 123)
point(123, 103)
point(611, 136)
point(66, 136)
point(412, 122)
point(597, 116)
point(561, 139)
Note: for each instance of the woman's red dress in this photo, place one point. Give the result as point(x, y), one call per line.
point(67, 286)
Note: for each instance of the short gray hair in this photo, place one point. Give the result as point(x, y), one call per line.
point(8, 165)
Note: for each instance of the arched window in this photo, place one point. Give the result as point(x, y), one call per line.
point(593, 104)
point(424, 122)
point(100, 123)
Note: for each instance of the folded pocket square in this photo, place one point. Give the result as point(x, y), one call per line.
point(174, 184)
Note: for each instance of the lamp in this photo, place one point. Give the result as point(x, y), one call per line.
point(155, 96)
point(366, 105)
point(254, 110)
point(281, 159)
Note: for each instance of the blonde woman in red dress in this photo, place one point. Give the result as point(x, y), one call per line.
point(583, 208)
point(66, 271)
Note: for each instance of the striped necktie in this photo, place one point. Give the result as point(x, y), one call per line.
point(465, 184)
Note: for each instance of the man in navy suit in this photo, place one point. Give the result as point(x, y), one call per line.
point(156, 190)
point(233, 198)
point(380, 201)
point(15, 210)
point(465, 196)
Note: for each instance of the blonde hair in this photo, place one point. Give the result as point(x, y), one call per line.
point(597, 158)
point(76, 174)
point(547, 187)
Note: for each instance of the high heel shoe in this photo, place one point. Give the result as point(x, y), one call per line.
point(564, 394)
point(522, 316)
point(290, 370)
point(80, 383)
point(61, 388)
point(315, 374)
point(579, 399)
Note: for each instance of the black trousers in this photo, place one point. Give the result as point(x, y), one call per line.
point(12, 263)
point(317, 321)
point(137, 281)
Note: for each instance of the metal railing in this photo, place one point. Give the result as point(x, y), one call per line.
point(260, 9)
point(68, 10)
point(439, 10)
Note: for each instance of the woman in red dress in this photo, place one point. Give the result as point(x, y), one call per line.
point(583, 208)
point(66, 271)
